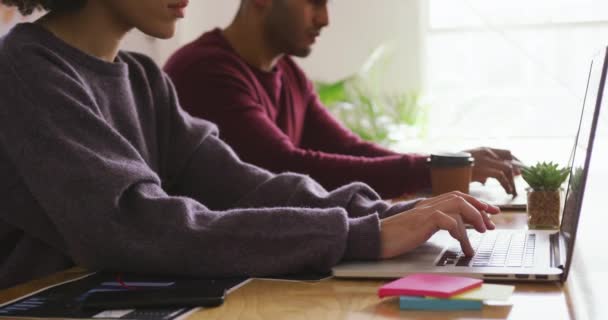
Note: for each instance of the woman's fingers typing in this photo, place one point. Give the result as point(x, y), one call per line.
point(478, 204)
point(463, 209)
point(455, 226)
point(450, 212)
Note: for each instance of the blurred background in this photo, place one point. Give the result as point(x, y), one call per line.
point(440, 75)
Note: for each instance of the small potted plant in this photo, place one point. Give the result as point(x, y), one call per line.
point(545, 194)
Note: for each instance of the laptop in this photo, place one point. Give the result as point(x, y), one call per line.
point(493, 193)
point(510, 255)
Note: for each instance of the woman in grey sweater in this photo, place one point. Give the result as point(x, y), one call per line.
point(100, 167)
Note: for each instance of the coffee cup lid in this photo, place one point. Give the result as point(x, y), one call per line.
point(450, 159)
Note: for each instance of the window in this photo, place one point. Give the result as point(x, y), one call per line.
point(511, 73)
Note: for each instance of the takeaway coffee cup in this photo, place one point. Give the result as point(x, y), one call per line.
point(450, 172)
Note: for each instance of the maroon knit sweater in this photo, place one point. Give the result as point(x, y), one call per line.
point(275, 120)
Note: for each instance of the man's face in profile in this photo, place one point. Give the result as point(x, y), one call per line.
point(292, 26)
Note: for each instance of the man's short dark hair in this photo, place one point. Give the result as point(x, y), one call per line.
point(28, 6)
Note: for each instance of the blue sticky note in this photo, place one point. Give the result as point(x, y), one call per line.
point(422, 303)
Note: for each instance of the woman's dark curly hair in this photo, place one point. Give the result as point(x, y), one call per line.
point(28, 6)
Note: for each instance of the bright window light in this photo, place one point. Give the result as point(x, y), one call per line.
point(510, 74)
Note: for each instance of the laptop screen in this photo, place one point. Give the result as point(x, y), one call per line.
point(581, 153)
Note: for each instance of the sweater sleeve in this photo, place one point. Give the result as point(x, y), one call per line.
point(220, 180)
point(221, 94)
point(112, 212)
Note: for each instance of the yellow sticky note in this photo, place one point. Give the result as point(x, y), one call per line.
point(487, 291)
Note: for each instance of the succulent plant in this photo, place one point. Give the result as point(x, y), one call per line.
point(545, 176)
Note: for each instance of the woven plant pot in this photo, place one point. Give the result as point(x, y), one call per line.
point(544, 209)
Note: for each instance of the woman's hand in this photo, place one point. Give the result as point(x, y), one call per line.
point(451, 211)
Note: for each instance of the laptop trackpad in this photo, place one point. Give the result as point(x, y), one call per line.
point(429, 251)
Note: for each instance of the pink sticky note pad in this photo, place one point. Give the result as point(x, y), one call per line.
point(432, 285)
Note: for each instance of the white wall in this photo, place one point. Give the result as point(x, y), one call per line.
point(357, 27)
point(203, 15)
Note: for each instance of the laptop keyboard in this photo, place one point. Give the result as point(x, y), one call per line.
point(503, 248)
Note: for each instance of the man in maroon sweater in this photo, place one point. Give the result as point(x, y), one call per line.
point(243, 79)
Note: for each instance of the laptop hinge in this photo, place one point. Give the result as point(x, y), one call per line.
point(556, 252)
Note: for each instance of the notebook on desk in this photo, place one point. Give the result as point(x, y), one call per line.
point(514, 255)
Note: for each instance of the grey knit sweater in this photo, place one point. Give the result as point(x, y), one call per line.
point(100, 167)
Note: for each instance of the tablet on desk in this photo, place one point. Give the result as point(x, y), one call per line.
point(122, 296)
point(209, 296)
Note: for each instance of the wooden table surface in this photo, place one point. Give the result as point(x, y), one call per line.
point(581, 297)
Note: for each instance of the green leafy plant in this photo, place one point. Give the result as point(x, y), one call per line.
point(545, 176)
point(359, 103)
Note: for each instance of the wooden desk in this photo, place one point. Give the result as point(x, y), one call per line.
point(578, 298)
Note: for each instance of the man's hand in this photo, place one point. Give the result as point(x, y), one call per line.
point(407, 230)
point(495, 163)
